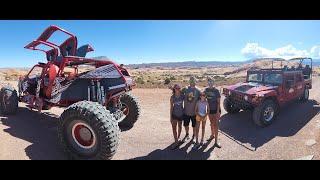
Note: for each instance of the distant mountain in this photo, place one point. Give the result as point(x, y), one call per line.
point(316, 62)
point(188, 64)
point(197, 64)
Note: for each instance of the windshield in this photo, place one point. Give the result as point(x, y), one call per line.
point(255, 77)
point(272, 78)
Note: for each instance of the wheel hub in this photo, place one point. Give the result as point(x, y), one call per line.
point(125, 109)
point(268, 114)
point(83, 135)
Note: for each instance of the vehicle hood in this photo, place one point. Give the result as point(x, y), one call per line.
point(251, 88)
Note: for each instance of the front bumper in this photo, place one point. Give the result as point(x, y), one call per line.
point(239, 100)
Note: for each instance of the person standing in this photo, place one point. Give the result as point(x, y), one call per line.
point(176, 113)
point(202, 109)
point(191, 96)
point(213, 98)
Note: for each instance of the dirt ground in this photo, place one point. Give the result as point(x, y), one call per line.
point(294, 135)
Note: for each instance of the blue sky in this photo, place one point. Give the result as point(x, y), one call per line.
point(144, 41)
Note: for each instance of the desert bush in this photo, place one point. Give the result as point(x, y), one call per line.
point(219, 78)
point(167, 81)
point(140, 80)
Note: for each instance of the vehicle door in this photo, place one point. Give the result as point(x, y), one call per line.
point(30, 83)
point(289, 87)
point(299, 85)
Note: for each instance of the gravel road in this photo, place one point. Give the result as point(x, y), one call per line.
point(294, 135)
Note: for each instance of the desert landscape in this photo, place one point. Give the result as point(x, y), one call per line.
point(29, 135)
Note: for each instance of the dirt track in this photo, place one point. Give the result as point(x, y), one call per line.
point(29, 135)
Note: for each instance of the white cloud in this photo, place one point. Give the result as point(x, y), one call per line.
point(253, 50)
point(315, 51)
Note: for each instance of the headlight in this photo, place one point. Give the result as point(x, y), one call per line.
point(246, 98)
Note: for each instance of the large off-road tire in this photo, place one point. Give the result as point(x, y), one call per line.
point(131, 109)
point(88, 131)
point(264, 114)
point(230, 107)
point(8, 100)
point(305, 95)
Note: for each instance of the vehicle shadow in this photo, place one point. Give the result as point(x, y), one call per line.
point(241, 129)
point(183, 152)
point(38, 129)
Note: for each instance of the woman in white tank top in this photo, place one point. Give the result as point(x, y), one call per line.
point(202, 109)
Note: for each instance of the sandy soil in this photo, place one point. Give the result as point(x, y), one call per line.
point(29, 135)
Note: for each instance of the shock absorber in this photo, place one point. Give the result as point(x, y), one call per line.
point(98, 92)
point(89, 94)
point(102, 95)
point(93, 91)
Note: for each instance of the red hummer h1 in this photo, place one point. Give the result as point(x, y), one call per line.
point(266, 90)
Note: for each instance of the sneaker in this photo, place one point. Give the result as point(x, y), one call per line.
point(174, 145)
point(187, 137)
point(217, 145)
point(211, 138)
point(196, 146)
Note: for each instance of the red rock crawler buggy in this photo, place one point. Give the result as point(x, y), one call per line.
point(266, 90)
point(96, 93)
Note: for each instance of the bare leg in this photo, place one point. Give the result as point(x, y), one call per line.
point(216, 132)
point(212, 119)
point(216, 129)
point(174, 130)
point(187, 130)
point(203, 130)
point(179, 128)
point(197, 131)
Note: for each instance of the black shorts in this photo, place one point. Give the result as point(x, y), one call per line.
point(187, 119)
point(178, 118)
point(214, 111)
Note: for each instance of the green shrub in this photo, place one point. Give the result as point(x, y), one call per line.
point(167, 81)
point(140, 80)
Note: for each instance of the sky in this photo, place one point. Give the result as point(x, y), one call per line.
point(146, 41)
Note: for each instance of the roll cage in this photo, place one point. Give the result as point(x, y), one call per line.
point(67, 48)
point(306, 70)
point(67, 54)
